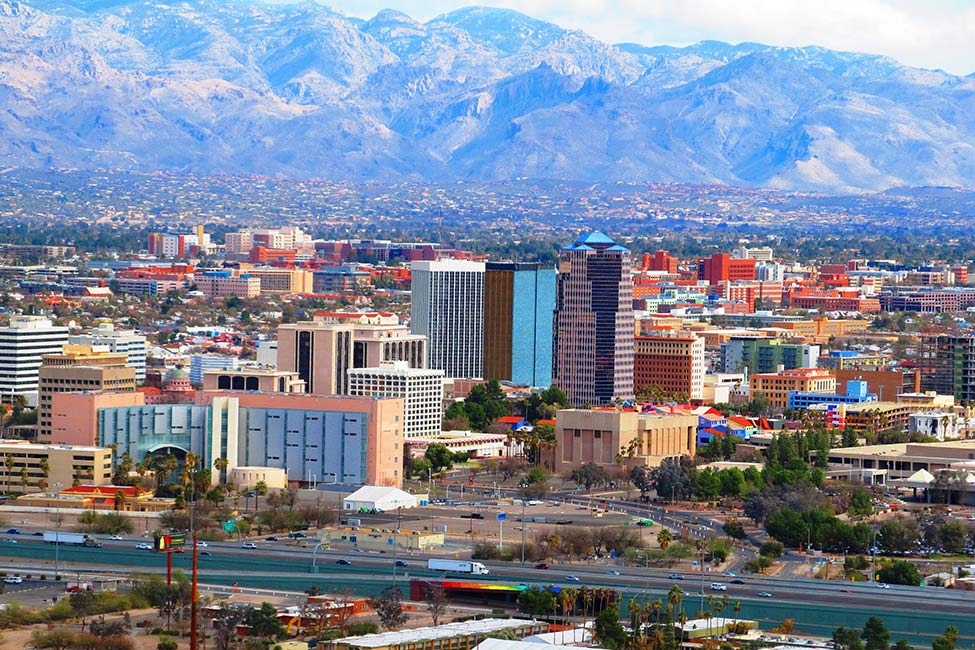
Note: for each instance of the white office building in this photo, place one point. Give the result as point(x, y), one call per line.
point(448, 308)
point(420, 388)
point(22, 344)
point(200, 363)
point(126, 342)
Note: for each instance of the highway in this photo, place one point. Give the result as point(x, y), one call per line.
point(915, 613)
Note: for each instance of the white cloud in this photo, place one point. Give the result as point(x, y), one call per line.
point(929, 34)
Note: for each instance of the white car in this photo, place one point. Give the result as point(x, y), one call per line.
point(249, 545)
point(116, 538)
point(144, 546)
point(717, 586)
point(13, 580)
point(883, 585)
point(201, 544)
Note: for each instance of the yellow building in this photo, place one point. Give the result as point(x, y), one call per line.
point(775, 386)
point(275, 280)
point(31, 467)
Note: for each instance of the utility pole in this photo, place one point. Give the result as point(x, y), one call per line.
point(523, 526)
point(193, 594)
point(57, 526)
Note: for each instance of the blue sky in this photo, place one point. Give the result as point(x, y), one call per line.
point(923, 33)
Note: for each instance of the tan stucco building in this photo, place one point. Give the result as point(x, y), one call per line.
point(614, 438)
point(22, 466)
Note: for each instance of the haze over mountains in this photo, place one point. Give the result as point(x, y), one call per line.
point(297, 90)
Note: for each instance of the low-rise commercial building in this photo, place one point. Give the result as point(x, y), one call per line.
point(777, 386)
point(613, 438)
point(421, 390)
point(31, 467)
point(451, 636)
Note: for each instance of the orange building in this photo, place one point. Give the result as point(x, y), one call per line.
point(721, 267)
point(775, 386)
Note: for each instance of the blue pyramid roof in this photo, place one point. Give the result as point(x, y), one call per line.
point(617, 247)
point(595, 238)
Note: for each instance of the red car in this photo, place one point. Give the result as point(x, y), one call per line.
point(541, 565)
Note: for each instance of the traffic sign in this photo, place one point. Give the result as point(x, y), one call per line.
point(229, 525)
point(502, 516)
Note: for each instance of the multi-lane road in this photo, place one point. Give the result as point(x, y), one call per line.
point(915, 613)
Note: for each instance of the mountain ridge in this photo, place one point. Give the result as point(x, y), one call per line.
point(299, 90)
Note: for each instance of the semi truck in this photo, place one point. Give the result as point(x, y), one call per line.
point(458, 566)
point(74, 539)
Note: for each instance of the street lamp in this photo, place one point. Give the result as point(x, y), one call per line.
point(57, 524)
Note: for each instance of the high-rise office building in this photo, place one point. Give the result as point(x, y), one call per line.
point(22, 344)
point(448, 308)
point(420, 388)
point(121, 341)
point(519, 299)
point(323, 350)
point(674, 364)
point(948, 365)
point(79, 368)
point(594, 323)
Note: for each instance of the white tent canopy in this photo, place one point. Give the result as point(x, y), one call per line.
point(378, 498)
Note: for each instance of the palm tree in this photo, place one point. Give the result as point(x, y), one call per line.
point(23, 478)
point(567, 598)
point(260, 489)
point(221, 464)
point(119, 500)
point(664, 538)
point(9, 464)
point(675, 597)
point(45, 466)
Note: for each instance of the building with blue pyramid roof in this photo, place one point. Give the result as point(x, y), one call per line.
point(593, 325)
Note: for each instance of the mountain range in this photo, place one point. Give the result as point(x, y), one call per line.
point(299, 90)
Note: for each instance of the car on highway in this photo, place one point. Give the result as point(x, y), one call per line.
point(13, 531)
point(343, 562)
point(116, 538)
point(201, 544)
point(297, 535)
point(542, 565)
point(675, 576)
point(13, 580)
point(764, 594)
point(10, 541)
point(613, 572)
point(572, 578)
point(730, 574)
point(718, 586)
point(844, 591)
point(401, 563)
point(738, 581)
point(271, 538)
point(882, 585)
point(205, 553)
point(249, 545)
point(144, 546)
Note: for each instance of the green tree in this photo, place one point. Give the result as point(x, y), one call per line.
point(899, 535)
point(771, 549)
point(590, 475)
point(607, 630)
point(440, 456)
point(900, 572)
point(861, 504)
point(952, 535)
point(875, 635)
point(734, 530)
point(263, 621)
point(708, 484)
point(845, 638)
point(536, 601)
